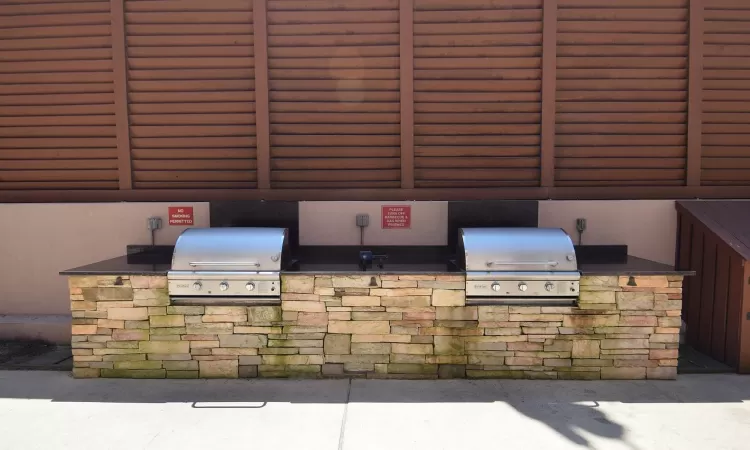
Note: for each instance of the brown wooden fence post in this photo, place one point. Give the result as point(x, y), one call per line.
point(695, 94)
point(262, 118)
point(549, 92)
point(407, 92)
point(120, 76)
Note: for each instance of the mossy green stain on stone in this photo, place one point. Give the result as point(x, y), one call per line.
point(450, 345)
point(263, 315)
point(182, 374)
point(133, 373)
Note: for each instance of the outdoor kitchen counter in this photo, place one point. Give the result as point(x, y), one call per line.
point(634, 266)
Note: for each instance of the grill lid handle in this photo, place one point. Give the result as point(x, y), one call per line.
point(219, 263)
point(522, 263)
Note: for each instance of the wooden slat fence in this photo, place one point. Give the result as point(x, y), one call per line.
point(374, 99)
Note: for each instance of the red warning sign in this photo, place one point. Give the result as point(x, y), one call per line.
point(395, 217)
point(181, 215)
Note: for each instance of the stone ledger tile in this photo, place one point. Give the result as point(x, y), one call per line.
point(219, 369)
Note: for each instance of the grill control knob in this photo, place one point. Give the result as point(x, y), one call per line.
point(549, 286)
point(197, 286)
point(223, 285)
point(250, 286)
point(496, 287)
point(522, 286)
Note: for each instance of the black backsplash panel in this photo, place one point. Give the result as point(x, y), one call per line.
point(257, 214)
point(490, 213)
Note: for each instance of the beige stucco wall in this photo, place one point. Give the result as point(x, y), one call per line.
point(334, 223)
point(39, 240)
point(648, 227)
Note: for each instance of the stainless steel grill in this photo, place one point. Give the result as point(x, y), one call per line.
point(519, 265)
point(228, 266)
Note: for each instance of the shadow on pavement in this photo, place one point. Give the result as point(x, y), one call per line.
point(61, 387)
point(568, 407)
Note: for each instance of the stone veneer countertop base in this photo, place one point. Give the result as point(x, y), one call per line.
point(414, 326)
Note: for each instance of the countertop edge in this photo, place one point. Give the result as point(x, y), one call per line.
point(637, 273)
point(634, 266)
point(685, 273)
point(74, 273)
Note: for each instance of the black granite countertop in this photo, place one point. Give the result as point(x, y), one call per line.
point(632, 266)
point(413, 268)
point(160, 265)
point(121, 266)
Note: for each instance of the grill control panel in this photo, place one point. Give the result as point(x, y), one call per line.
point(522, 288)
point(231, 287)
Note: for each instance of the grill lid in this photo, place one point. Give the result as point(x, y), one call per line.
point(517, 249)
point(230, 249)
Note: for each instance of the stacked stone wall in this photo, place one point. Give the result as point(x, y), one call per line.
point(376, 326)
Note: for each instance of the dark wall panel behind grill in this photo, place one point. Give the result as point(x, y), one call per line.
point(192, 93)
point(334, 93)
point(477, 93)
point(57, 123)
point(726, 94)
point(621, 93)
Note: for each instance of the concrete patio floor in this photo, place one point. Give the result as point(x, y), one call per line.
point(50, 410)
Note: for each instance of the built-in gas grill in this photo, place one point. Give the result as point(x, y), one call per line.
point(228, 266)
point(519, 266)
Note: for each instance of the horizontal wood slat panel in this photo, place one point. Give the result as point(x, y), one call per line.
point(193, 153)
point(454, 5)
point(477, 93)
point(726, 95)
point(45, 20)
point(331, 17)
point(336, 152)
point(29, 8)
point(57, 123)
point(188, 29)
point(193, 74)
point(334, 93)
point(621, 93)
point(190, 52)
point(303, 106)
point(203, 17)
point(334, 51)
point(55, 32)
point(240, 6)
point(586, 153)
point(191, 94)
point(53, 155)
point(329, 5)
point(347, 40)
point(626, 3)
